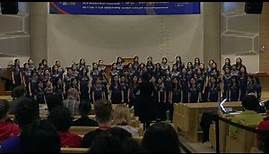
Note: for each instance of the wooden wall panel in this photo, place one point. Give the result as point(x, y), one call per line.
point(264, 38)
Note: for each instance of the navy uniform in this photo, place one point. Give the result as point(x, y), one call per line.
point(94, 75)
point(193, 94)
point(84, 87)
point(17, 75)
point(55, 77)
point(161, 100)
point(27, 75)
point(39, 94)
point(213, 93)
point(124, 88)
point(234, 90)
point(119, 67)
point(97, 90)
point(185, 88)
point(226, 85)
point(67, 82)
point(243, 85)
point(164, 69)
point(134, 92)
point(150, 67)
point(115, 93)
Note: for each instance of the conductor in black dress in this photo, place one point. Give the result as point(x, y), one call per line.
point(146, 100)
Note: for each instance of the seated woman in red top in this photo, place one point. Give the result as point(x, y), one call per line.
point(7, 128)
point(61, 118)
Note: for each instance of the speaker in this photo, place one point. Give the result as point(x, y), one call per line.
point(254, 7)
point(9, 7)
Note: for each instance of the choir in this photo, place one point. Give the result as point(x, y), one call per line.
point(191, 83)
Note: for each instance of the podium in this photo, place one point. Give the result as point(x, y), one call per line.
point(187, 117)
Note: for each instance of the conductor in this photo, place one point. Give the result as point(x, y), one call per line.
point(146, 101)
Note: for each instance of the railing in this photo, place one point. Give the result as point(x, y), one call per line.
point(263, 133)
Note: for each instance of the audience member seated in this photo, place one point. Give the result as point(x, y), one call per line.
point(103, 115)
point(131, 146)
point(25, 114)
point(264, 126)
point(161, 137)
point(128, 144)
point(248, 116)
point(72, 101)
point(122, 118)
point(115, 140)
point(106, 142)
point(61, 118)
point(84, 120)
point(263, 140)
point(41, 136)
point(53, 101)
point(17, 92)
point(121, 133)
point(7, 127)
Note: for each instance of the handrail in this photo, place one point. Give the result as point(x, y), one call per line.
point(218, 118)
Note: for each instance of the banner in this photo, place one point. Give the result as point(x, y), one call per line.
point(124, 8)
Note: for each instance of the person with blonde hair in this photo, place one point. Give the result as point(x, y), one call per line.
point(121, 117)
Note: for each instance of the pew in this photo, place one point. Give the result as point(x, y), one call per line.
point(138, 139)
point(81, 130)
point(91, 116)
point(85, 150)
point(74, 150)
point(6, 97)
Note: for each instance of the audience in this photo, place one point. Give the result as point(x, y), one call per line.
point(84, 120)
point(121, 133)
point(115, 140)
point(61, 118)
point(161, 137)
point(53, 101)
point(131, 146)
point(249, 116)
point(7, 127)
point(263, 140)
point(122, 118)
point(103, 115)
point(17, 92)
point(105, 142)
point(41, 136)
point(72, 101)
point(128, 143)
point(25, 114)
point(264, 126)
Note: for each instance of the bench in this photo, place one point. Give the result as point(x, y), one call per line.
point(74, 150)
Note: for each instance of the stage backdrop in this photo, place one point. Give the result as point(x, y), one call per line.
point(70, 37)
point(125, 8)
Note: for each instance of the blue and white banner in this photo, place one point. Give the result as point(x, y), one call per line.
point(124, 8)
